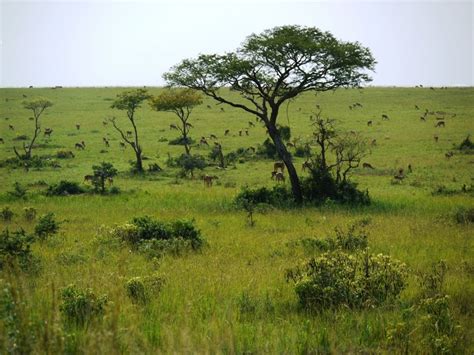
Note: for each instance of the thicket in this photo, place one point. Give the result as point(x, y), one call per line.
point(81, 306)
point(64, 188)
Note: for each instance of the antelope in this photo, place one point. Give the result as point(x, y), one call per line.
point(80, 145)
point(11, 127)
point(436, 138)
point(78, 126)
point(209, 106)
point(251, 124)
point(279, 177)
point(173, 126)
point(48, 131)
point(251, 149)
point(290, 145)
point(129, 133)
point(410, 170)
point(422, 118)
point(273, 175)
point(449, 154)
point(227, 131)
point(203, 141)
point(369, 123)
point(110, 180)
point(385, 117)
point(440, 124)
point(104, 123)
point(222, 109)
point(246, 132)
point(374, 142)
point(416, 107)
point(367, 166)
point(208, 180)
point(31, 118)
point(189, 125)
point(88, 178)
point(240, 133)
point(213, 136)
point(306, 165)
point(106, 142)
point(25, 96)
point(2, 141)
point(279, 165)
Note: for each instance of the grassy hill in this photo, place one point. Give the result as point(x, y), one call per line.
point(232, 296)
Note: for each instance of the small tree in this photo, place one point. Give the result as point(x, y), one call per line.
point(37, 106)
point(181, 102)
point(272, 68)
point(189, 163)
point(130, 101)
point(102, 173)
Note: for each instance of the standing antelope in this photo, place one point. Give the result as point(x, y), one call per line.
point(208, 180)
point(78, 126)
point(80, 146)
point(279, 165)
point(306, 165)
point(279, 177)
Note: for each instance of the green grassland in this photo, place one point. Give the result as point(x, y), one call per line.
point(233, 297)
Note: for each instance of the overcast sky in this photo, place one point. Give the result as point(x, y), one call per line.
point(132, 43)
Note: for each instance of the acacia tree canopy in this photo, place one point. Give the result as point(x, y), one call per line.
point(273, 67)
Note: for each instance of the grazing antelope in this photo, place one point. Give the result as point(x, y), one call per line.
point(279, 165)
point(251, 124)
point(246, 132)
point(80, 146)
point(110, 180)
point(279, 177)
point(129, 133)
point(106, 142)
point(31, 118)
point(11, 127)
point(189, 125)
point(373, 143)
point(227, 131)
point(240, 133)
point(251, 149)
point(78, 126)
point(104, 123)
point(306, 165)
point(173, 126)
point(48, 131)
point(367, 166)
point(369, 123)
point(88, 178)
point(209, 106)
point(290, 145)
point(2, 141)
point(440, 124)
point(416, 106)
point(213, 136)
point(436, 138)
point(122, 145)
point(449, 154)
point(222, 109)
point(385, 117)
point(208, 180)
point(203, 141)
point(422, 118)
point(410, 170)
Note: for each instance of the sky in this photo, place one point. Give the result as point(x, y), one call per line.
point(132, 43)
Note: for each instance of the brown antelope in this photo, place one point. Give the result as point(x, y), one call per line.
point(47, 132)
point(203, 141)
point(246, 132)
point(208, 180)
point(416, 107)
point(279, 177)
point(410, 170)
point(385, 117)
point(106, 142)
point(222, 109)
point(122, 145)
point(78, 126)
point(240, 133)
point(129, 133)
point(436, 138)
point(189, 125)
point(110, 180)
point(273, 175)
point(209, 106)
point(422, 118)
point(227, 131)
point(440, 124)
point(306, 165)
point(88, 178)
point(251, 124)
point(367, 166)
point(279, 165)
point(2, 141)
point(213, 136)
point(251, 149)
point(449, 154)
point(104, 123)
point(374, 142)
point(173, 126)
point(31, 118)
point(11, 127)
point(369, 123)
point(290, 145)
point(80, 146)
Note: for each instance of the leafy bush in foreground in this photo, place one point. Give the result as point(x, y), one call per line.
point(80, 306)
point(6, 214)
point(64, 188)
point(15, 247)
point(141, 289)
point(340, 279)
point(46, 226)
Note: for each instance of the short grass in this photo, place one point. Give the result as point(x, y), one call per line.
point(232, 297)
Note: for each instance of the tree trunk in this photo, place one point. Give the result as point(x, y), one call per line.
point(286, 157)
point(139, 163)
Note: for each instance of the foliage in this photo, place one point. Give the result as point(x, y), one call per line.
point(464, 215)
point(181, 141)
point(80, 306)
point(278, 196)
point(142, 289)
point(34, 161)
point(189, 163)
point(47, 226)
point(267, 149)
point(6, 214)
point(29, 213)
point(15, 248)
point(64, 188)
point(466, 144)
point(337, 278)
point(102, 173)
point(18, 191)
point(64, 154)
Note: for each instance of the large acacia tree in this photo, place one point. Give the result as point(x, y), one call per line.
point(130, 101)
point(273, 67)
point(181, 103)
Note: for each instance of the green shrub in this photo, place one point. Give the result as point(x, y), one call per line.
point(15, 248)
point(181, 141)
point(303, 151)
point(46, 226)
point(141, 289)
point(64, 188)
point(64, 154)
point(21, 137)
point(340, 279)
point(464, 215)
point(466, 144)
point(81, 306)
point(18, 191)
point(6, 214)
point(29, 213)
point(278, 196)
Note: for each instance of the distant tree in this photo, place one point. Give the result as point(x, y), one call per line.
point(37, 106)
point(181, 102)
point(130, 101)
point(273, 67)
point(102, 173)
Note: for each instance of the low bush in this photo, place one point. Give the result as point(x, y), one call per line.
point(21, 137)
point(278, 196)
point(181, 141)
point(64, 188)
point(464, 215)
point(466, 144)
point(64, 154)
point(29, 213)
point(6, 214)
point(46, 226)
point(35, 162)
point(142, 289)
point(15, 249)
point(18, 191)
point(81, 306)
point(340, 279)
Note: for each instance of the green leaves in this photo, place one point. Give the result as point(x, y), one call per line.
point(130, 100)
point(175, 100)
point(38, 104)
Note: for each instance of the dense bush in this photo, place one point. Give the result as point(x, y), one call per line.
point(278, 196)
point(141, 289)
point(267, 150)
point(466, 144)
point(35, 162)
point(189, 163)
point(80, 306)
point(156, 238)
point(18, 191)
point(6, 214)
point(181, 141)
point(64, 188)
point(46, 226)
point(340, 279)
point(15, 248)
point(464, 215)
point(29, 213)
